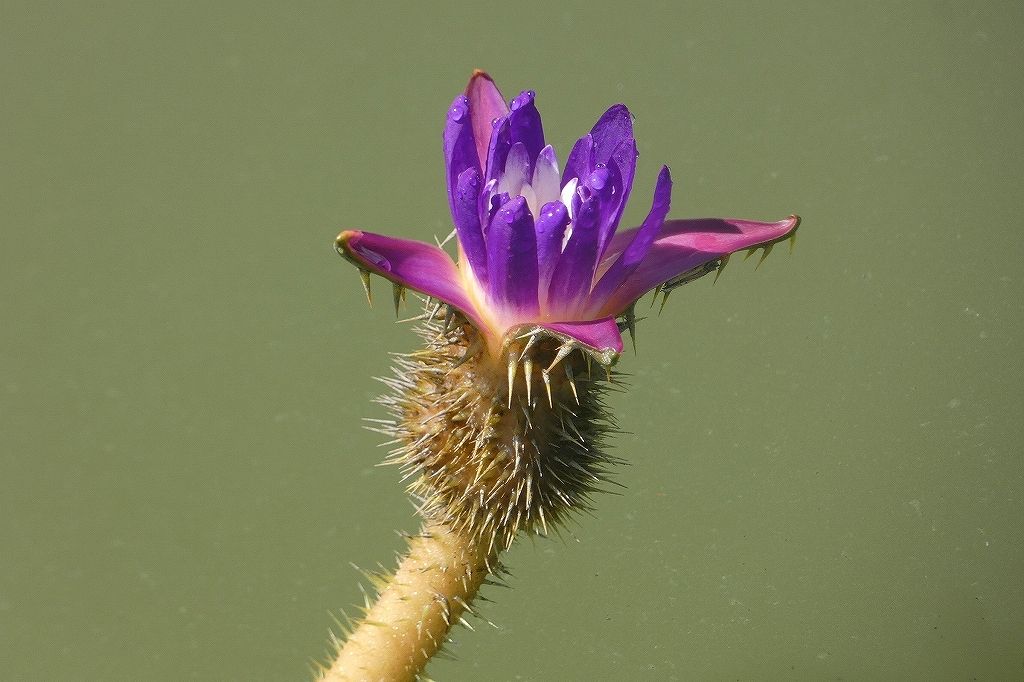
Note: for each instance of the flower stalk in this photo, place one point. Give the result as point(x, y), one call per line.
point(431, 590)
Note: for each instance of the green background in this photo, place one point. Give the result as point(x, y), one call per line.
point(826, 471)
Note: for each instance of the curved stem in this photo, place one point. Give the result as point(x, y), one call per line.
point(435, 582)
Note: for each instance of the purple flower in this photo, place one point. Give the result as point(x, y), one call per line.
point(539, 246)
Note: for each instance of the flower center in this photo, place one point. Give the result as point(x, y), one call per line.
point(539, 187)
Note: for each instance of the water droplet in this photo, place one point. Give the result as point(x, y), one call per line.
point(522, 99)
point(599, 179)
point(459, 110)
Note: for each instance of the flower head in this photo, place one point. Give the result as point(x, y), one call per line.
point(539, 246)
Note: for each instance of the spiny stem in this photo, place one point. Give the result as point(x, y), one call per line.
point(434, 584)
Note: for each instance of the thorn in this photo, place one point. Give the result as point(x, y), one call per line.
point(764, 254)
point(572, 381)
point(546, 376)
point(434, 311)
point(440, 244)
point(750, 252)
point(657, 290)
point(792, 241)
point(630, 316)
point(364, 275)
point(529, 344)
point(511, 378)
point(563, 351)
point(664, 300)
point(722, 262)
point(398, 291)
point(528, 375)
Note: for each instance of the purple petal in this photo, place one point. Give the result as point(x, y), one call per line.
point(512, 259)
point(551, 224)
point(624, 157)
point(459, 148)
point(412, 264)
point(613, 128)
point(486, 105)
point(466, 214)
point(579, 162)
point(526, 127)
point(499, 148)
point(642, 239)
point(489, 204)
point(598, 334)
point(605, 182)
point(611, 138)
point(574, 273)
point(686, 244)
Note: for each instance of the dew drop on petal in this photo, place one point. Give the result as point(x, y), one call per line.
point(459, 110)
point(522, 99)
point(599, 178)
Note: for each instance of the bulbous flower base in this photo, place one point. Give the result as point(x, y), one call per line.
point(495, 445)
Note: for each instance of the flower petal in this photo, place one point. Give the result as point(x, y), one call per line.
point(624, 158)
point(686, 244)
point(606, 183)
point(613, 128)
point(498, 149)
point(579, 162)
point(574, 273)
point(545, 177)
point(611, 138)
point(526, 126)
point(601, 335)
point(550, 228)
point(486, 105)
point(512, 261)
point(517, 170)
point(642, 239)
point(459, 148)
point(412, 264)
point(466, 214)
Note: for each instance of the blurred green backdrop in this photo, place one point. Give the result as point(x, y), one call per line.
point(826, 454)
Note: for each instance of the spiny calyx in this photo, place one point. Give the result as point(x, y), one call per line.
point(496, 444)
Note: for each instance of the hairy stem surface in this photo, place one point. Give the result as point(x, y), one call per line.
point(435, 582)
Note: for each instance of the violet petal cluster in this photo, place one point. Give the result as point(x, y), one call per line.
point(539, 246)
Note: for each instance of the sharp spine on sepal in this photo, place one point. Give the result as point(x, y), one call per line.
point(722, 262)
point(511, 378)
point(572, 382)
point(364, 276)
point(528, 376)
point(398, 292)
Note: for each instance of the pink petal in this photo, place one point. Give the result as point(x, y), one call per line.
point(485, 106)
point(422, 267)
point(685, 244)
point(601, 335)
